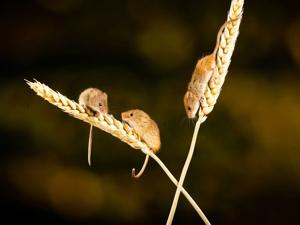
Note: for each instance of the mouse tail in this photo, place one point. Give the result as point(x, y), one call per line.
point(90, 145)
point(221, 32)
point(134, 175)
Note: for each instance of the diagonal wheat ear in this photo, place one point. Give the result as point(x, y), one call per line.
point(227, 44)
point(107, 123)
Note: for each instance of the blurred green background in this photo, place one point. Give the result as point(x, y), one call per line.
point(246, 168)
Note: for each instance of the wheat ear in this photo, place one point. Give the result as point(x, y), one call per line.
point(223, 57)
point(107, 123)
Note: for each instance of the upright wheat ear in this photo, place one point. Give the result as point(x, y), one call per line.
point(224, 53)
point(107, 123)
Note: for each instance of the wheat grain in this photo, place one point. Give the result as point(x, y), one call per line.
point(107, 123)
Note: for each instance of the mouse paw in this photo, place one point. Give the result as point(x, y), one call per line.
point(97, 114)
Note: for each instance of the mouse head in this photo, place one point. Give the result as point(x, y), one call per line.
point(191, 104)
point(98, 101)
point(136, 118)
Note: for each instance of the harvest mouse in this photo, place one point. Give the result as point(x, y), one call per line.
point(146, 128)
point(95, 102)
point(206, 67)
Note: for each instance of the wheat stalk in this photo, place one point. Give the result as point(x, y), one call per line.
point(107, 123)
point(227, 44)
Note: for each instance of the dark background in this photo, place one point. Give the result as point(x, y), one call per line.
point(246, 167)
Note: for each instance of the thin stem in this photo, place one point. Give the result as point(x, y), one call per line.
point(184, 192)
point(183, 174)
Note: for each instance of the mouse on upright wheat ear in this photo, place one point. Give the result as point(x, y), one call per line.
point(206, 68)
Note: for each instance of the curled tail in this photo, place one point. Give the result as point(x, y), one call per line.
point(142, 169)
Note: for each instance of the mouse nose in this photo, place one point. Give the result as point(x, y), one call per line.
point(123, 115)
point(190, 115)
point(103, 110)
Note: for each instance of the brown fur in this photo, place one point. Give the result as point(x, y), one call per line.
point(95, 102)
point(144, 126)
point(205, 69)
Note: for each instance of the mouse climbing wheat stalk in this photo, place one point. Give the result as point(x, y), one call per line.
point(206, 70)
point(205, 85)
point(95, 102)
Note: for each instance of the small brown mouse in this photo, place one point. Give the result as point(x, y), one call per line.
point(146, 128)
point(206, 68)
point(95, 102)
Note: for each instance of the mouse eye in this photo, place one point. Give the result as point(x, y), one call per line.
point(100, 104)
point(131, 114)
point(189, 108)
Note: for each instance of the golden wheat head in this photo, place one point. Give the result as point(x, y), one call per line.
point(227, 44)
point(105, 122)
